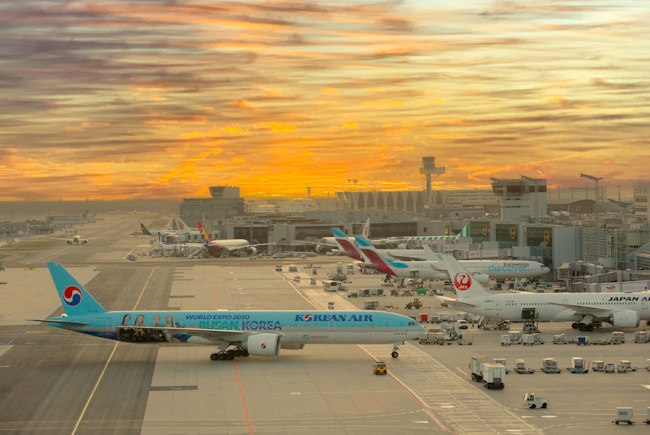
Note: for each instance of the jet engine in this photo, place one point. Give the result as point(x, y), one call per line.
point(483, 278)
point(321, 249)
point(625, 319)
point(402, 246)
point(252, 250)
point(262, 344)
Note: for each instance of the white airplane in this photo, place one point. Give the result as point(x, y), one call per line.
point(329, 243)
point(226, 247)
point(233, 333)
point(350, 247)
point(482, 270)
point(75, 240)
point(185, 233)
point(622, 310)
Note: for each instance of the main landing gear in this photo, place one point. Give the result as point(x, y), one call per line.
point(228, 355)
point(582, 327)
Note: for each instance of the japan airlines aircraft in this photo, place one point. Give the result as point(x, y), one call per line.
point(482, 270)
point(234, 333)
point(623, 310)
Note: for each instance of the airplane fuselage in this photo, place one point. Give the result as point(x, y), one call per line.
point(497, 269)
point(294, 327)
point(555, 306)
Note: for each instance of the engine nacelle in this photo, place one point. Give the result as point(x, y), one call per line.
point(483, 278)
point(402, 246)
point(262, 344)
point(321, 249)
point(625, 319)
point(252, 250)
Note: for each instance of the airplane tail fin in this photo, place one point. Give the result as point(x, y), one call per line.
point(75, 299)
point(145, 230)
point(366, 229)
point(204, 232)
point(181, 225)
point(464, 232)
point(465, 284)
point(384, 265)
point(345, 244)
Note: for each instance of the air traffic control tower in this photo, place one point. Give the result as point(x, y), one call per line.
point(428, 168)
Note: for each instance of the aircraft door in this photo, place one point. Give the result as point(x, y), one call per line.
point(386, 325)
point(644, 305)
point(499, 305)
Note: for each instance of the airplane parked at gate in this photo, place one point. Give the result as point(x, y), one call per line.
point(351, 248)
point(234, 333)
point(585, 310)
point(482, 270)
point(226, 247)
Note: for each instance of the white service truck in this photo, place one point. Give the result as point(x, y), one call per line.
point(476, 366)
point(494, 376)
point(532, 401)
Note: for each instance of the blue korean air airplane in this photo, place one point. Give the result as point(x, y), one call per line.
point(234, 333)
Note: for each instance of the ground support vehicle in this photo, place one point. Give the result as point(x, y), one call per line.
point(520, 367)
point(494, 376)
point(624, 367)
point(647, 420)
point(624, 415)
point(609, 368)
point(476, 367)
point(560, 339)
point(505, 340)
point(379, 368)
point(532, 401)
point(582, 340)
point(502, 361)
point(618, 337)
point(598, 366)
point(549, 365)
point(578, 365)
point(641, 337)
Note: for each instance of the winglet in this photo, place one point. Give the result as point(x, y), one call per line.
point(74, 298)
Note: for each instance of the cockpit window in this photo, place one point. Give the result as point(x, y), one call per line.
point(412, 323)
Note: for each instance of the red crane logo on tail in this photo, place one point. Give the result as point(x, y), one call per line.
point(462, 281)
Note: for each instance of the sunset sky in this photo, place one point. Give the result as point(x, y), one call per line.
point(111, 99)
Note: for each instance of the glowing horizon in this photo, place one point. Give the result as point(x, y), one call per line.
point(157, 100)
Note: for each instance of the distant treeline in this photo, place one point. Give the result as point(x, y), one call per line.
point(23, 210)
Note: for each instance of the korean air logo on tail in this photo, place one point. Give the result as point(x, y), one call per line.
point(263, 345)
point(308, 317)
point(462, 281)
point(72, 296)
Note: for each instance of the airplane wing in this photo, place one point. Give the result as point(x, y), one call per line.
point(586, 309)
point(208, 334)
point(455, 303)
point(60, 322)
point(429, 254)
